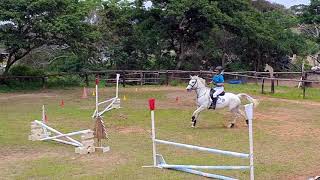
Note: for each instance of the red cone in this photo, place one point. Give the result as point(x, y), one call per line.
point(62, 103)
point(45, 119)
point(84, 93)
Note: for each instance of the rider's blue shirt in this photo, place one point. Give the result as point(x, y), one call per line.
point(218, 78)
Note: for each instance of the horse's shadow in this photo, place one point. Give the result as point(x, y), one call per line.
point(211, 127)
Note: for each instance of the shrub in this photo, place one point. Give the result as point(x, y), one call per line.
point(175, 82)
point(64, 81)
point(23, 70)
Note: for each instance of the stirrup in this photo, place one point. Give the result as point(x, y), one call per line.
point(212, 106)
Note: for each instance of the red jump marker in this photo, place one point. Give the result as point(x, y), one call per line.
point(97, 81)
point(152, 105)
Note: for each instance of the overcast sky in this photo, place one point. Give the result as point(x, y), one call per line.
point(289, 3)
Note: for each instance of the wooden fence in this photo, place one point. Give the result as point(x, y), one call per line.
point(142, 77)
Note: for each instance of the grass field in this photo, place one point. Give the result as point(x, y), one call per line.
point(286, 135)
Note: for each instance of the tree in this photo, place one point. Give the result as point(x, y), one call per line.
point(197, 34)
point(266, 6)
point(310, 19)
point(31, 24)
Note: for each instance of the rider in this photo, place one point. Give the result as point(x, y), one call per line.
point(218, 81)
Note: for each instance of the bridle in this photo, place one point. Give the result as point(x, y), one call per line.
point(192, 87)
point(196, 82)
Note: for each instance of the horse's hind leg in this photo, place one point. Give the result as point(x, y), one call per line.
point(236, 113)
point(243, 115)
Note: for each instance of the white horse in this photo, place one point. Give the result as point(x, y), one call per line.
point(230, 100)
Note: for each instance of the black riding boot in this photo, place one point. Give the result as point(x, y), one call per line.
point(213, 103)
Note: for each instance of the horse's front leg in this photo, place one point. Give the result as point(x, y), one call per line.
point(196, 113)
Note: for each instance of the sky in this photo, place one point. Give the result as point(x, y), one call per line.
point(289, 3)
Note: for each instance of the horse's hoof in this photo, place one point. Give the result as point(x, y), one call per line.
point(231, 125)
point(192, 126)
point(194, 123)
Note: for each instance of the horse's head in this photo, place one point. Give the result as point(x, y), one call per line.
point(195, 82)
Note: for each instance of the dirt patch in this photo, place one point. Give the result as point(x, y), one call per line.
point(180, 99)
point(299, 102)
point(304, 175)
point(97, 162)
point(161, 88)
point(287, 123)
point(11, 156)
point(131, 129)
point(31, 95)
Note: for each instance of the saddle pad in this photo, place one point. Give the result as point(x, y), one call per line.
point(220, 100)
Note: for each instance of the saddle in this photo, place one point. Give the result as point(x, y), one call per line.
point(215, 100)
point(213, 91)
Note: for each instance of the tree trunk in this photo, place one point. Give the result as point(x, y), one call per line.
point(178, 66)
point(9, 64)
point(12, 60)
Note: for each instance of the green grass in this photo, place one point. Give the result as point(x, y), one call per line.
point(283, 92)
point(284, 135)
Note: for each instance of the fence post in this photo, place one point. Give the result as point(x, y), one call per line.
point(167, 78)
point(44, 84)
point(86, 79)
point(256, 77)
point(123, 79)
point(141, 78)
point(304, 77)
point(272, 86)
point(262, 86)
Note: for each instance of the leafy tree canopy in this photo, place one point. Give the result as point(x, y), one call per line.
point(34, 23)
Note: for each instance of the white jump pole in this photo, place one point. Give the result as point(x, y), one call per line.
point(64, 135)
point(153, 131)
point(206, 167)
point(249, 113)
point(67, 142)
point(204, 174)
point(159, 162)
point(97, 97)
point(112, 100)
point(198, 148)
point(44, 120)
point(43, 114)
point(117, 88)
point(57, 132)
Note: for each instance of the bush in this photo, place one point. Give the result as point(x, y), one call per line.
point(64, 81)
point(175, 82)
point(22, 70)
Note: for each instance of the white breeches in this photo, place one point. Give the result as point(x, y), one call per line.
point(218, 90)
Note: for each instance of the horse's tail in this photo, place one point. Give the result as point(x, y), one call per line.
point(249, 98)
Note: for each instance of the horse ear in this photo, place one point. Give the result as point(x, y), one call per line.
point(190, 76)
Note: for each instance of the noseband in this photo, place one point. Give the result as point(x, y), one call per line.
point(194, 84)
